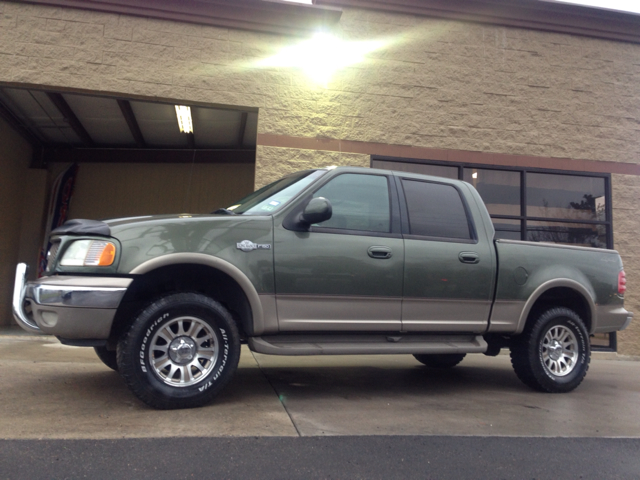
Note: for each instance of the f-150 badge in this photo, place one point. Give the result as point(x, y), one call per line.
point(248, 245)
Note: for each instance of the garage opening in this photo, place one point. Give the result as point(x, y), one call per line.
point(134, 157)
point(102, 157)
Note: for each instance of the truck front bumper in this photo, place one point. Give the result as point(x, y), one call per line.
point(75, 308)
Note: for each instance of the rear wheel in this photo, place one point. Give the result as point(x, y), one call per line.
point(180, 352)
point(553, 353)
point(442, 360)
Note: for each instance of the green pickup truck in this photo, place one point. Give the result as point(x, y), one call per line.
point(330, 261)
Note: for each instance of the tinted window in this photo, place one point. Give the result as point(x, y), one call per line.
point(435, 210)
point(360, 202)
point(499, 189)
point(565, 197)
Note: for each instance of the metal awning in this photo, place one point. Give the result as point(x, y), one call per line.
point(78, 127)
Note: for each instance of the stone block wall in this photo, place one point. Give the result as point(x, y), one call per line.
point(437, 84)
point(626, 239)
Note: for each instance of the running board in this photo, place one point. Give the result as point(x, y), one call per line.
point(366, 344)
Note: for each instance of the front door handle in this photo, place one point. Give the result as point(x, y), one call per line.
point(469, 257)
point(379, 252)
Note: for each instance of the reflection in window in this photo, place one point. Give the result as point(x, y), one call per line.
point(433, 170)
point(508, 229)
point(565, 196)
point(359, 202)
point(499, 189)
point(580, 234)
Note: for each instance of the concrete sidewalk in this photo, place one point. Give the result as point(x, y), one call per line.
point(52, 391)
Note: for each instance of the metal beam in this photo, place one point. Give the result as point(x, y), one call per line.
point(62, 105)
point(243, 128)
point(130, 117)
point(23, 130)
point(136, 155)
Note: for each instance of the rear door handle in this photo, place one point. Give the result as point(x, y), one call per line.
point(469, 257)
point(380, 252)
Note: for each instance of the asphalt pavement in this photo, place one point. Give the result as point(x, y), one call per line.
point(65, 415)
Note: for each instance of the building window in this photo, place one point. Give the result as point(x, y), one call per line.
point(537, 205)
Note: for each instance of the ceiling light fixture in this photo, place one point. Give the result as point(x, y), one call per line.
point(184, 118)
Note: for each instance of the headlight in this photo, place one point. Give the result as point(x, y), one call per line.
point(89, 253)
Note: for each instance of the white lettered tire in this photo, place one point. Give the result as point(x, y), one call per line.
point(553, 353)
point(180, 351)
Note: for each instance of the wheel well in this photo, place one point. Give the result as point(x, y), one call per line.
point(182, 278)
point(562, 297)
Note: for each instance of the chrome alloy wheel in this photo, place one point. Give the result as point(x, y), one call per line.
point(559, 351)
point(183, 351)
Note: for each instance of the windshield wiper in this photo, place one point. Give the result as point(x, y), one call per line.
point(224, 211)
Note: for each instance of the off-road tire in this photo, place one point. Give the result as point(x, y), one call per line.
point(553, 353)
point(195, 338)
point(440, 360)
point(108, 357)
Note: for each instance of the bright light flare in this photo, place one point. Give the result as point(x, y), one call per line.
point(322, 55)
point(626, 6)
point(184, 118)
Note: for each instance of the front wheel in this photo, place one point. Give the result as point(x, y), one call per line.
point(180, 352)
point(553, 353)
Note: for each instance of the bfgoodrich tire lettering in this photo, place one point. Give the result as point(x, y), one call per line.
point(553, 353)
point(180, 352)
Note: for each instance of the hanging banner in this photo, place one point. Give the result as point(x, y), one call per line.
point(59, 201)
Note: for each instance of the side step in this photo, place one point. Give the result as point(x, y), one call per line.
point(366, 344)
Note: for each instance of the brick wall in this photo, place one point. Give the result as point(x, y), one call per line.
point(439, 84)
point(626, 239)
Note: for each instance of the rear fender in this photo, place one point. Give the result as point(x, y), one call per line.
point(546, 286)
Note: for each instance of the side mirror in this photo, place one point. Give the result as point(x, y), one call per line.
point(317, 210)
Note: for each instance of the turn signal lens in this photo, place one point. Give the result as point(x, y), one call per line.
point(622, 282)
point(100, 254)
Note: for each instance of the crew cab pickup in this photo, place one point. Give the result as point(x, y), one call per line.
point(330, 261)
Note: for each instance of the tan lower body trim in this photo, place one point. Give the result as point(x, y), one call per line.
point(444, 315)
point(306, 313)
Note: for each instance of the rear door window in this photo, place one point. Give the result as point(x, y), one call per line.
point(436, 210)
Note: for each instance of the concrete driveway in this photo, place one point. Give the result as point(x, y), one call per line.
point(50, 391)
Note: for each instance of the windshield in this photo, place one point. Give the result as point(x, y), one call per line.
point(271, 198)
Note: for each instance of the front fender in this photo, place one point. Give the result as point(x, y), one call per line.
point(219, 264)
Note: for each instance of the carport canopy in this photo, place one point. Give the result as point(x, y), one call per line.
point(78, 127)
